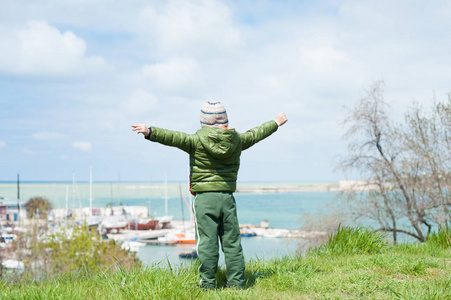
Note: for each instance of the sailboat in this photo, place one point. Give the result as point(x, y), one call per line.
point(165, 220)
point(189, 254)
point(114, 223)
point(185, 237)
point(144, 225)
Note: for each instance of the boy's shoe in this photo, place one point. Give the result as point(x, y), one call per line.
point(236, 287)
point(206, 287)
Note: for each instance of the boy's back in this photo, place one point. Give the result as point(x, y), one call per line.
point(214, 153)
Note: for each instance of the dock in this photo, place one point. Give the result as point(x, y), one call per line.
point(159, 243)
point(150, 237)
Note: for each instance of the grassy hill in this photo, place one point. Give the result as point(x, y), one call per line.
point(355, 264)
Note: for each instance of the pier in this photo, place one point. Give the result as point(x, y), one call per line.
point(150, 237)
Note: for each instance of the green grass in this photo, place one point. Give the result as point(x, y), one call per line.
point(441, 238)
point(354, 240)
point(415, 271)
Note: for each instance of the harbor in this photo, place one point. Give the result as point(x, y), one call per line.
point(271, 223)
point(175, 241)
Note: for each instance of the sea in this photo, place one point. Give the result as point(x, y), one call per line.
point(283, 210)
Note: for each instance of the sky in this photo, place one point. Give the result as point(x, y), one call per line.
point(75, 74)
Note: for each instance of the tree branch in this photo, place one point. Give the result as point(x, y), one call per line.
point(402, 231)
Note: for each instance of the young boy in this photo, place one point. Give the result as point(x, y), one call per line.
point(214, 162)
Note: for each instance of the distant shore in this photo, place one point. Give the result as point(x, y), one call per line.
point(278, 187)
point(56, 191)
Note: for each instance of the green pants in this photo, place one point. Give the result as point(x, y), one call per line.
point(215, 217)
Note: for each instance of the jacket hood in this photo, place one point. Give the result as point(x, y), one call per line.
point(220, 143)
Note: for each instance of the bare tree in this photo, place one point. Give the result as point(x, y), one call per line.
point(405, 167)
point(429, 146)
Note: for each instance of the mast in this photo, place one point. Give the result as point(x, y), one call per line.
point(73, 190)
point(18, 188)
point(165, 194)
point(149, 213)
point(119, 187)
point(90, 191)
point(18, 198)
point(181, 203)
point(67, 200)
point(190, 196)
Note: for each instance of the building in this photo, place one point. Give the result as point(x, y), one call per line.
point(9, 211)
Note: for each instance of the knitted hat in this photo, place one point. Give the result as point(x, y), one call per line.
point(213, 114)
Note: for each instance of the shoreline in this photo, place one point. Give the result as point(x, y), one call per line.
point(178, 226)
point(56, 191)
point(287, 188)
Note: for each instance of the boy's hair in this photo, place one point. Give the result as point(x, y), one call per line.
point(213, 114)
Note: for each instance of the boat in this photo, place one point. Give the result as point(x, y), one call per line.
point(152, 236)
point(149, 225)
point(113, 222)
point(272, 234)
point(165, 222)
point(169, 237)
point(178, 238)
point(13, 264)
point(188, 254)
point(132, 245)
point(160, 242)
point(186, 241)
point(248, 234)
point(183, 238)
point(7, 238)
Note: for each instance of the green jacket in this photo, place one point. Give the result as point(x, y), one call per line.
point(214, 153)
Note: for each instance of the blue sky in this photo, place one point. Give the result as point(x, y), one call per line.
point(74, 75)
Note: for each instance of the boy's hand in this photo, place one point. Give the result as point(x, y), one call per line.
point(141, 128)
point(281, 119)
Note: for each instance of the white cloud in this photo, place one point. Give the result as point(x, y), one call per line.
point(307, 59)
point(41, 49)
point(83, 146)
point(141, 102)
point(174, 75)
point(2, 144)
point(28, 151)
point(322, 58)
point(200, 27)
point(46, 136)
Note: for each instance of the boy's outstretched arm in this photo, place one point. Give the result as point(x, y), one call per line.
point(254, 135)
point(166, 137)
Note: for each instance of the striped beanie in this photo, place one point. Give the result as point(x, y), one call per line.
point(213, 114)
